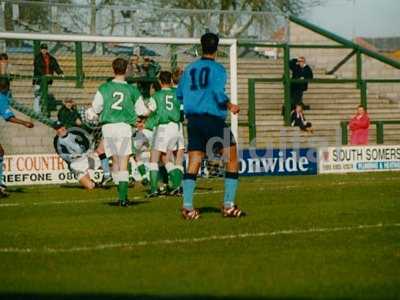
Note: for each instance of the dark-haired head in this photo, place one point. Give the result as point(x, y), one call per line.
point(3, 56)
point(209, 43)
point(165, 77)
point(119, 66)
point(361, 109)
point(176, 75)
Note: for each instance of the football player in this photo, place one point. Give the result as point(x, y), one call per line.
point(8, 115)
point(179, 154)
point(167, 135)
point(73, 147)
point(143, 136)
point(114, 102)
point(202, 92)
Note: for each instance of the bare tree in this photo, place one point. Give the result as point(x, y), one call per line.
point(240, 18)
point(258, 19)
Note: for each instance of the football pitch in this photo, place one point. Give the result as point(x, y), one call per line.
point(306, 237)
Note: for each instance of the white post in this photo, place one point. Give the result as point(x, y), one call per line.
point(103, 39)
point(233, 85)
point(2, 26)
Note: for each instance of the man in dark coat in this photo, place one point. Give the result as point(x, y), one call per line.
point(300, 70)
point(68, 115)
point(44, 64)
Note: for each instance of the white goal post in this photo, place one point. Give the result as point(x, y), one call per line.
point(231, 43)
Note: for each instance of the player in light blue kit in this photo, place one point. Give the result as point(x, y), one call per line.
point(8, 115)
point(202, 92)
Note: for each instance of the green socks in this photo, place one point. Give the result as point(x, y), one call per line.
point(121, 179)
point(175, 178)
point(122, 191)
point(153, 181)
point(154, 177)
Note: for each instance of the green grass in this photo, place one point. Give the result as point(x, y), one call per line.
point(308, 244)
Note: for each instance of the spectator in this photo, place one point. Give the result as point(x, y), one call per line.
point(5, 68)
point(68, 115)
point(135, 69)
point(176, 76)
point(152, 70)
point(151, 67)
point(300, 70)
point(359, 126)
point(298, 119)
point(44, 64)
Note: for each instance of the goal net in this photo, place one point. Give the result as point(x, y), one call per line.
point(86, 62)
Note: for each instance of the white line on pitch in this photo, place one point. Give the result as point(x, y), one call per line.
point(87, 200)
point(9, 204)
point(130, 245)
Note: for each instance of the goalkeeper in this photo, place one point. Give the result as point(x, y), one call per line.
point(73, 147)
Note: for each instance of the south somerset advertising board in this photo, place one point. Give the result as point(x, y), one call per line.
point(348, 159)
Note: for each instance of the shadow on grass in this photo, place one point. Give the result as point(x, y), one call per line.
point(134, 297)
point(209, 210)
point(199, 188)
point(16, 190)
point(131, 203)
point(77, 186)
point(72, 186)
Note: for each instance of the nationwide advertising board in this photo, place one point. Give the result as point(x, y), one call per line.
point(349, 159)
point(264, 162)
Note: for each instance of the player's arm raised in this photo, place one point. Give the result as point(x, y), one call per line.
point(9, 116)
point(92, 113)
point(21, 122)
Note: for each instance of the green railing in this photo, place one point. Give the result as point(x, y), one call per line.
point(49, 104)
point(380, 137)
point(346, 43)
point(343, 43)
point(31, 113)
point(251, 113)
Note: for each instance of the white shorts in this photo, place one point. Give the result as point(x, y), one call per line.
point(81, 166)
point(181, 139)
point(142, 140)
point(117, 139)
point(168, 137)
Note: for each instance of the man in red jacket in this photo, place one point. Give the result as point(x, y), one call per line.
point(359, 126)
point(44, 64)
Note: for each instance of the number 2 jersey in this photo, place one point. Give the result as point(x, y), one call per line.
point(115, 102)
point(201, 89)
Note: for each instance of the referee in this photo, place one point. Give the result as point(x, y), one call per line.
point(202, 92)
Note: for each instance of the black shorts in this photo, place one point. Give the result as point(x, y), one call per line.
point(208, 133)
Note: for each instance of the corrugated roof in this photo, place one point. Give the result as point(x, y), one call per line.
point(387, 44)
